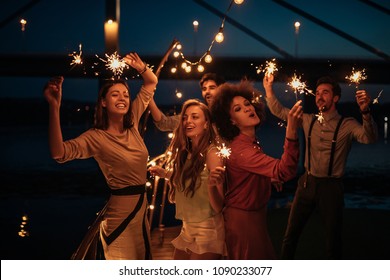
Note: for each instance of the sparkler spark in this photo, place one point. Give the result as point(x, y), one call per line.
point(320, 116)
point(256, 97)
point(376, 100)
point(77, 57)
point(299, 86)
point(115, 63)
point(269, 69)
point(356, 76)
point(223, 151)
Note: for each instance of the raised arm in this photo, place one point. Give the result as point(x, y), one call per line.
point(276, 108)
point(53, 94)
point(150, 79)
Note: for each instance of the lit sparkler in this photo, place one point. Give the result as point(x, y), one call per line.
point(115, 63)
point(269, 69)
point(256, 97)
point(356, 77)
point(77, 60)
point(376, 100)
point(320, 116)
point(223, 151)
point(299, 86)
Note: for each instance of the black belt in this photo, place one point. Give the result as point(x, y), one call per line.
point(130, 190)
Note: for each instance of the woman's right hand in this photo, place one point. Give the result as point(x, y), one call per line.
point(53, 91)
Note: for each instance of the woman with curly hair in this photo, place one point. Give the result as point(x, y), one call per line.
point(237, 113)
point(196, 175)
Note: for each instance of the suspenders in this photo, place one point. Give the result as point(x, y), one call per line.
point(333, 145)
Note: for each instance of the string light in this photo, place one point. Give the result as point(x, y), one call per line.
point(23, 23)
point(200, 68)
point(219, 37)
point(195, 23)
point(208, 58)
point(178, 94)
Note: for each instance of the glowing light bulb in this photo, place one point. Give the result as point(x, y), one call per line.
point(184, 65)
point(195, 23)
point(208, 58)
point(170, 135)
point(200, 68)
point(297, 24)
point(176, 54)
point(178, 47)
point(173, 70)
point(219, 37)
point(23, 23)
point(179, 94)
point(188, 69)
point(238, 2)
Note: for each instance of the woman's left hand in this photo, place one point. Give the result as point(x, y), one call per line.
point(135, 61)
point(216, 176)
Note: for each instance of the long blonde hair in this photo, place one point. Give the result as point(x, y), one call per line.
point(179, 149)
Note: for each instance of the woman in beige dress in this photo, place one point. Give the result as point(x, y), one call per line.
point(120, 151)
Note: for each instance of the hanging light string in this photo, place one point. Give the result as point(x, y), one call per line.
point(206, 57)
point(116, 65)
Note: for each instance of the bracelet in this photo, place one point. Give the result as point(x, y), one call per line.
point(143, 70)
point(365, 112)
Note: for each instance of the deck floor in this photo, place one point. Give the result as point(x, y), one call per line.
point(162, 248)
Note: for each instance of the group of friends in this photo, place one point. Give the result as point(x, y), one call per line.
point(222, 202)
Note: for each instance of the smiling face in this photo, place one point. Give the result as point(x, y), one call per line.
point(117, 100)
point(243, 114)
point(194, 122)
point(209, 88)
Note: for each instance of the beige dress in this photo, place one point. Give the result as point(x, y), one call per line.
point(122, 159)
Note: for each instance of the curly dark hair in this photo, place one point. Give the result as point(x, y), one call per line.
point(220, 110)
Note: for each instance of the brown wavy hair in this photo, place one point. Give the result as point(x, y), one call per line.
point(179, 149)
point(223, 99)
point(101, 116)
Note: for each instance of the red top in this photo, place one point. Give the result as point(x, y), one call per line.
point(249, 172)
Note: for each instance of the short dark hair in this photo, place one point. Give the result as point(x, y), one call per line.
point(220, 110)
point(219, 80)
point(329, 80)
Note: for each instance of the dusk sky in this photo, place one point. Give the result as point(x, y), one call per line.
point(148, 27)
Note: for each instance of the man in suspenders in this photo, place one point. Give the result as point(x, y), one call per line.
point(328, 138)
